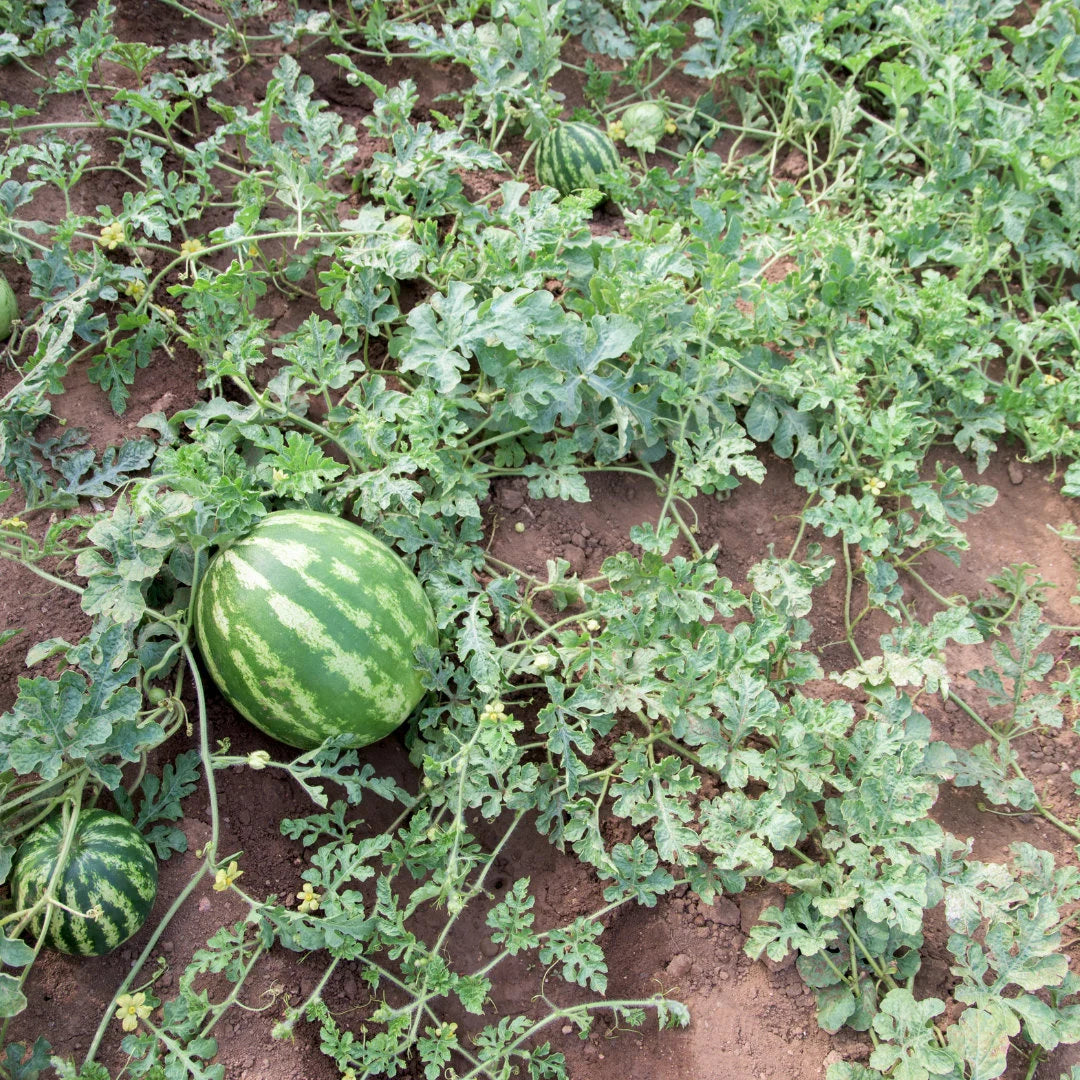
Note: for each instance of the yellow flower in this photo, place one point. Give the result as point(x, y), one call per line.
point(112, 235)
point(670, 126)
point(308, 897)
point(592, 625)
point(190, 248)
point(874, 486)
point(135, 288)
point(349, 1074)
point(493, 712)
point(225, 877)
point(13, 523)
point(1050, 380)
point(130, 1009)
point(258, 759)
point(616, 130)
point(253, 251)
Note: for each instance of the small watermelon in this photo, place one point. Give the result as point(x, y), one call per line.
point(110, 876)
point(309, 625)
point(573, 155)
point(645, 123)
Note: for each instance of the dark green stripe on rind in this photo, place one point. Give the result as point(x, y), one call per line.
point(309, 626)
point(109, 866)
point(573, 155)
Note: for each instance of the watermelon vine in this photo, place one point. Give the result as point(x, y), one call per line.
point(836, 246)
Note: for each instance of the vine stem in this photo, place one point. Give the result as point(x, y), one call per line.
point(316, 993)
point(1039, 806)
point(123, 988)
point(47, 899)
point(924, 584)
point(871, 959)
point(801, 531)
point(207, 864)
point(848, 628)
point(668, 487)
point(552, 1017)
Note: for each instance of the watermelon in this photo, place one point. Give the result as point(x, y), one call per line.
point(309, 625)
point(109, 866)
point(572, 155)
point(9, 308)
point(645, 123)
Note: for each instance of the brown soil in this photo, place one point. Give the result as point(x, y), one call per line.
point(748, 1019)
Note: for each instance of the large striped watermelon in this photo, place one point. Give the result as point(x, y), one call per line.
point(109, 867)
point(573, 155)
point(309, 626)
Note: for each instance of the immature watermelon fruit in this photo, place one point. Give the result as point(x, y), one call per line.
point(645, 123)
point(109, 866)
point(309, 627)
point(572, 155)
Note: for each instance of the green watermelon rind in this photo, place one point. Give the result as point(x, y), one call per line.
point(574, 155)
point(109, 866)
point(9, 308)
point(309, 626)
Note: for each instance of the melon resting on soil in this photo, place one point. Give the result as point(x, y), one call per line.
point(309, 625)
point(574, 155)
point(107, 884)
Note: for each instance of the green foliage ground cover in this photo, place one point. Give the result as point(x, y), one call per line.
point(928, 227)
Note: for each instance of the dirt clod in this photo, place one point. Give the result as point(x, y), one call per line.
point(679, 966)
